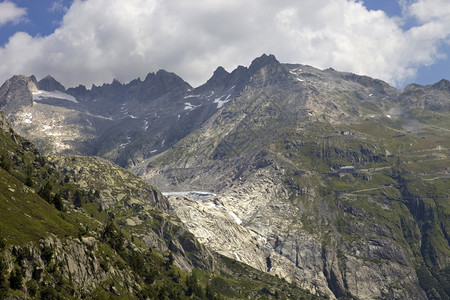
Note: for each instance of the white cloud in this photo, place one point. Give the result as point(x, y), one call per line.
point(99, 40)
point(9, 12)
point(58, 6)
point(431, 10)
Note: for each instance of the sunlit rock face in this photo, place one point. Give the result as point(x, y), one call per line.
point(334, 181)
point(314, 179)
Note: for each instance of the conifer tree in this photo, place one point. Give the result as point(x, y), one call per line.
point(16, 279)
point(45, 192)
point(57, 201)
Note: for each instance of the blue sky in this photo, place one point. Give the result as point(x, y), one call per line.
point(390, 7)
point(426, 74)
point(94, 41)
point(42, 18)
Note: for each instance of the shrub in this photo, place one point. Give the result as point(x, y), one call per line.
point(32, 288)
point(16, 279)
point(5, 163)
point(113, 236)
point(3, 283)
point(47, 254)
point(45, 192)
point(57, 202)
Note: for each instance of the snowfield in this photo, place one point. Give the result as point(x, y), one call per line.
point(195, 195)
point(41, 95)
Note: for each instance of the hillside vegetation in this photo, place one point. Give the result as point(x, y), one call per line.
point(78, 227)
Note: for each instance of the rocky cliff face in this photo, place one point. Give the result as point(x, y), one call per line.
point(125, 123)
point(17, 92)
point(45, 267)
point(314, 173)
point(79, 227)
point(137, 207)
point(334, 181)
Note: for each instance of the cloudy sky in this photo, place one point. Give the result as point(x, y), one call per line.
point(94, 41)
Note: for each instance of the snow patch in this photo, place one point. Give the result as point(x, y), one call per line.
point(221, 102)
point(295, 71)
point(98, 116)
point(236, 218)
point(389, 116)
point(46, 127)
point(153, 151)
point(40, 95)
point(54, 134)
point(189, 106)
point(29, 117)
point(191, 96)
point(126, 143)
point(195, 195)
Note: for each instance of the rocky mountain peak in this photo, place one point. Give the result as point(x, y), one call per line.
point(17, 92)
point(116, 82)
point(78, 92)
point(156, 85)
point(222, 80)
point(266, 70)
point(164, 76)
point(263, 61)
point(220, 75)
point(442, 85)
point(50, 84)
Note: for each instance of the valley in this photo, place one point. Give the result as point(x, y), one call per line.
point(334, 182)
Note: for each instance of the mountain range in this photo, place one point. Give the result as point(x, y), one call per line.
point(125, 123)
point(335, 182)
point(76, 227)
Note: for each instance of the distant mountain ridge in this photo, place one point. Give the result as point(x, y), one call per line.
point(333, 181)
point(122, 122)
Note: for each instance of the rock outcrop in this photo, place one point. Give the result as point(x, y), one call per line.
point(83, 261)
point(312, 172)
point(48, 83)
point(16, 93)
point(333, 181)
